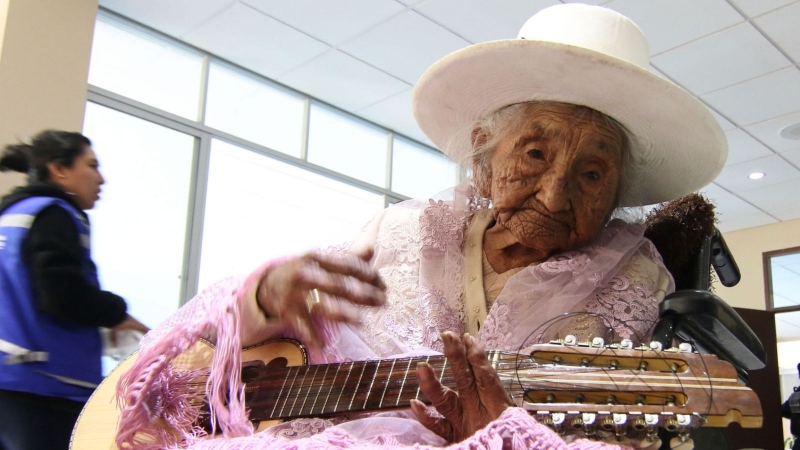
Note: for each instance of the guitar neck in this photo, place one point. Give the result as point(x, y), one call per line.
point(330, 389)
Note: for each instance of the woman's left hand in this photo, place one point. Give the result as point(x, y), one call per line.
point(480, 399)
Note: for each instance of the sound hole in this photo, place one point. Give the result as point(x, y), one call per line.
point(250, 373)
point(277, 363)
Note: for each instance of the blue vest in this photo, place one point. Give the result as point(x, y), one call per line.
point(40, 354)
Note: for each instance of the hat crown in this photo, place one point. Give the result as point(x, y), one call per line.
point(591, 27)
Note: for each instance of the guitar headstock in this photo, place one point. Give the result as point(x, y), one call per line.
point(592, 388)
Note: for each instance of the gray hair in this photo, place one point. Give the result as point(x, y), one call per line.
point(498, 124)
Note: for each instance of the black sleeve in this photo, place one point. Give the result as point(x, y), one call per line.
point(786, 410)
point(54, 256)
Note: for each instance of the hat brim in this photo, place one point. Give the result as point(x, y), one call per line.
point(677, 146)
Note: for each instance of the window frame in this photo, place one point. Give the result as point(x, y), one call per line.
point(204, 135)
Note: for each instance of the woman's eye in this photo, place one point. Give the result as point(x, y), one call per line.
point(536, 154)
point(592, 175)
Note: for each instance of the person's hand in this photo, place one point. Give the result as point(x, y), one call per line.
point(131, 324)
point(343, 281)
point(480, 399)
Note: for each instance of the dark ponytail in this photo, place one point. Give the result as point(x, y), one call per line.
point(49, 146)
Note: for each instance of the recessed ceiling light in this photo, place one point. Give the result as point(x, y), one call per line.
point(756, 175)
point(791, 132)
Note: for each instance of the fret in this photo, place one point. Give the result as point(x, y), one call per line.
point(280, 413)
point(361, 391)
point(388, 381)
point(299, 387)
point(307, 389)
point(444, 365)
point(319, 390)
point(335, 375)
point(371, 384)
point(336, 406)
point(416, 396)
point(403, 383)
point(358, 383)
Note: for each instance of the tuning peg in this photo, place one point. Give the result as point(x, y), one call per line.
point(598, 342)
point(626, 344)
point(685, 347)
point(570, 340)
point(647, 444)
point(558, 420)
point(620, 427)
point(656, 346)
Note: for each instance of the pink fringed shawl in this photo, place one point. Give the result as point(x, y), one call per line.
point(419, 253)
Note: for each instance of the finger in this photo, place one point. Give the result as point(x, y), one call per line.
point(444, 399)
point(350, 265)
point(432, 420)
point(346, 287)
point(464, 379)
point(336, 309)
point(488, 383)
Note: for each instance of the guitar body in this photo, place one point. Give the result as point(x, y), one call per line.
point(96, 428)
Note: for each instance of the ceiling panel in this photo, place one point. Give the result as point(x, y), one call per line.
point(723, 122)
point(479, 20)
point(763, 98)
point(775, 197)
point(173, 17)
point(783, 26)
point(255, 41)
point(395, 113)
point(769, 132)
point(793, 157)
point(735, 178)
point(753, 8)
point(790, 213)
point(742, 147)
point(344, 81)
point(324, 19)
point(404, 46)
point(670, 23)
point(722, 59)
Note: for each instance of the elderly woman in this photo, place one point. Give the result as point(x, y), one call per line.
point(560, 127)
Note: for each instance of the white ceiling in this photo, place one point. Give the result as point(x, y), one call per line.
point(739, 57)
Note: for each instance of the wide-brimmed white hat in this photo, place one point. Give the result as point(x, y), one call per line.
point(584, 55)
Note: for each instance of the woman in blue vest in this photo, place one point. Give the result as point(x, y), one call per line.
point(51, 304)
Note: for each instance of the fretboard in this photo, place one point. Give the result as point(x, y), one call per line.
point(328, 389)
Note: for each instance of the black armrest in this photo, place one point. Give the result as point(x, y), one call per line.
point(704, 319)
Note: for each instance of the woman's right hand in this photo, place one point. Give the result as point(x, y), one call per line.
point(342, 281)
point(131, 324)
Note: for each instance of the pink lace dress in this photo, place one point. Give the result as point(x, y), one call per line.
point(422, 251)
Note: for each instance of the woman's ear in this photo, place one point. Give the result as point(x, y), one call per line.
point(481, 167)
point(56, 171)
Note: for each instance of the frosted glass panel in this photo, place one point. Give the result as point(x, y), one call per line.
point(259, 208)
point(254, 110)
point(139, 224)
point(144, 68)
point(347, 146)
point(420, 172)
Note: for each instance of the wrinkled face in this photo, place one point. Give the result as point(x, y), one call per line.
point(554, 179)
point(82, 179)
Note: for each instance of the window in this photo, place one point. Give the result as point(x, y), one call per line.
point(347, 146)
point(259, 208)
point(139, 224)
point(252, 109)
point(782, 269)
point(145, 68)
point(420, 172)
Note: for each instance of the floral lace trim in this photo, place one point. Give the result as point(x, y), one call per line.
point(439, 226)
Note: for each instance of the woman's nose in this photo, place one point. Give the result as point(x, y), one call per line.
point(553, 192)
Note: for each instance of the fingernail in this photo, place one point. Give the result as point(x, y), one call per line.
point(417, 406)
point(422, 373)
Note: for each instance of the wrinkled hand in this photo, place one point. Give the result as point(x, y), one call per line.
point(131, 324)
point(343, 281)
point(480, 399)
